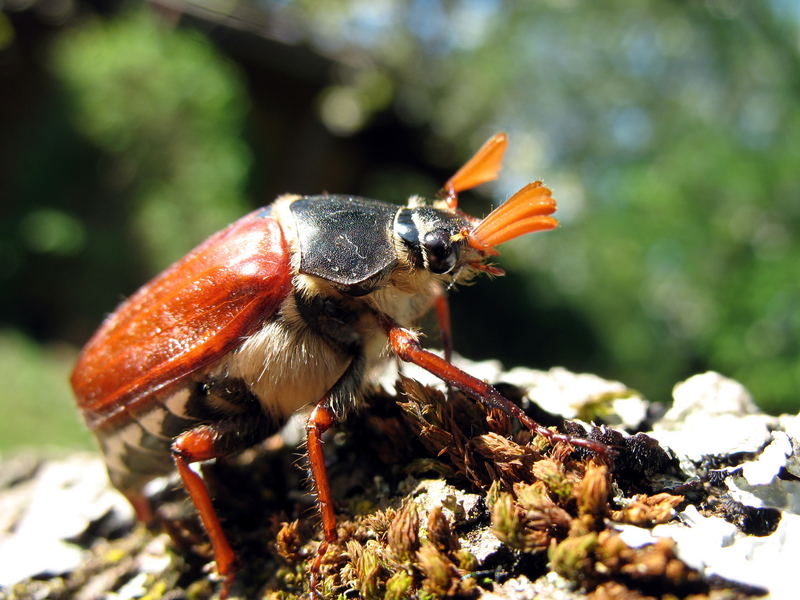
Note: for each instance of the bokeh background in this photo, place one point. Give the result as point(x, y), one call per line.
point(668, 130)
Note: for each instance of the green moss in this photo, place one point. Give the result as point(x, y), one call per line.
point(572, 558)
point(399, 586)
point(37, 395)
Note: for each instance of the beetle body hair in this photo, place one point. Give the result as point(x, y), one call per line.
point(286, 364)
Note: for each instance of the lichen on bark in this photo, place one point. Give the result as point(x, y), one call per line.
point(436, 498)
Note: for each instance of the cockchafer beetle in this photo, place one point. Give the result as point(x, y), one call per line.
point(289, 307)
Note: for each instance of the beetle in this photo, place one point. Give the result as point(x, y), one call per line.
point(288, 308)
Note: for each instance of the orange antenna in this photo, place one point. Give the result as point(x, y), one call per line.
point(482, 167)
point(525, 212)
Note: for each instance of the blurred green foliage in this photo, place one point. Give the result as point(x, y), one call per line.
point(163, 116)
point(37, 406)
point(170, 111)
point(669, 132)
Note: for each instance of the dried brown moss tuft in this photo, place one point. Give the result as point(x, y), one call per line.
point(647, 511)
point(403, 533)
point(289, 542)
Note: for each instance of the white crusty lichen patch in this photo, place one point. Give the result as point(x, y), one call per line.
point(714, 421)
point(46, 506)
point(712, 415)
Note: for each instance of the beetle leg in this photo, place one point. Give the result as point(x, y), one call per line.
point(332, 406)
point(141, 506)
point(190, 447)
point(319, 421)
point(442, 307)
point(406, 345)
point(209, 441)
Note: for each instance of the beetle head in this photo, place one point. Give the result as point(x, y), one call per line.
point(430, 237)
point(444, 240)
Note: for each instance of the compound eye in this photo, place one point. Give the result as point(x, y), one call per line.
point(440, 252)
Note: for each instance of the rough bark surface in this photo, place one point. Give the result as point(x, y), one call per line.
point(438, 499)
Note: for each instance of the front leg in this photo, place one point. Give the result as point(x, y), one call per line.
point(319, 421)
point(338, 400)
point(406, 345)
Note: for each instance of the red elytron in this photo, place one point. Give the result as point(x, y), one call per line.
point(186, 318)
point(288, 308)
